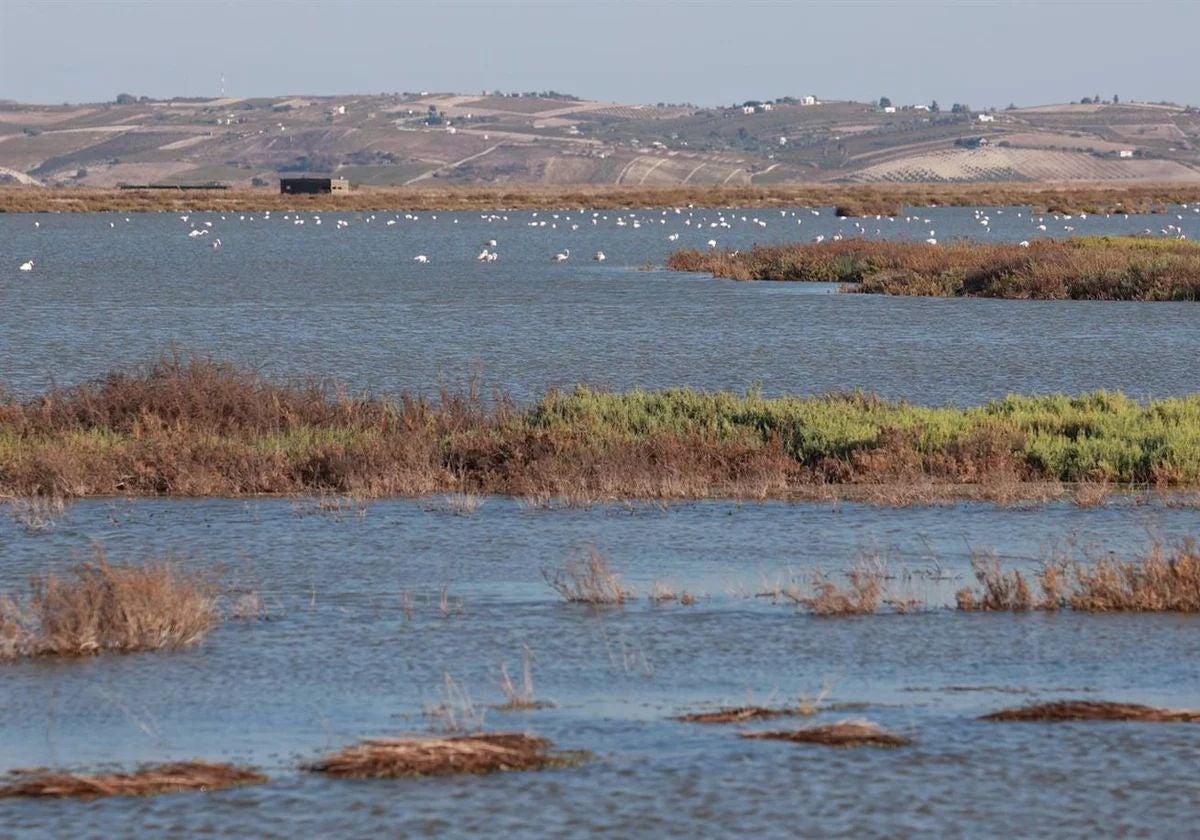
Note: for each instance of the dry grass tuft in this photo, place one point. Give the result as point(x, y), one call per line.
point(520, 698)
point(148, 781)
point(1160, 582)
point(1165, 580)
point(37, 513)
point(589, 581)
point(99, 606)
point(847, 733)
point(1095, 710)
point(405, 757)
point(1000, 590)
point(863, 595)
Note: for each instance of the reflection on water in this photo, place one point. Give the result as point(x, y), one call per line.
point(341, 658)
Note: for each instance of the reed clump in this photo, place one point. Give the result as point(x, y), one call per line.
point(396, 758)
point(202, 428)
point(1094, 710)
point(1083, 268)
point(863, 594)
point(848, 733)
point(589, 580)
point(1164, 580)
point(100, 607)
point(148, 781)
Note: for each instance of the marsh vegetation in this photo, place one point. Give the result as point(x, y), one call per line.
point(1083, 268)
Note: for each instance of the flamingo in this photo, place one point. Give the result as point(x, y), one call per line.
point(421, 258)
point(599, 256)
point(563, 256)
point(27, 265)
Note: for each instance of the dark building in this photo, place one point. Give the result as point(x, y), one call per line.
point(313, 185)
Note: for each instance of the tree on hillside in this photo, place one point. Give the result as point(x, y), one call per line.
point(934, 107)
point(959, 108)
point(1116, 99)
point(884, 102)
point(126, 99)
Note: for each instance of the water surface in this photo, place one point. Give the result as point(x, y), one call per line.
point(348, 301)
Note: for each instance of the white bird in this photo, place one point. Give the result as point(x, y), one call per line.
point(712, 243)
point(1024, 243)
point(421, 258)
point(483, 255)
point(931, 241)
point(599, 256)
point(491, 243)
point(673, 237)
point(27, 265)
point(563, 256)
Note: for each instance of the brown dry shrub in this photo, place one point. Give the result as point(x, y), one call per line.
point(1160, 582)
point(148, 781)
point(1001, 590)
point(394, 758)
point(862, 596)
point(588, 580)
point(99, 606)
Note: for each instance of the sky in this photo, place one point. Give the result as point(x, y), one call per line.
point(984, 53)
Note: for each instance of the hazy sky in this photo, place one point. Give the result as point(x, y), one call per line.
point(981, 53)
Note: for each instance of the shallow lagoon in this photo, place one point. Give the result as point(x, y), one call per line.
point(340, 658)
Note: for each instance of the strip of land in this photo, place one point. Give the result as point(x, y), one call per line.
point(200, 428)
point(1085, 268)
point(848, 199)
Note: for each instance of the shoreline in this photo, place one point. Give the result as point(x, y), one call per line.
point(847, 199)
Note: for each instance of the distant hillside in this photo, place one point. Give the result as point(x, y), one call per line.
point(462, 139)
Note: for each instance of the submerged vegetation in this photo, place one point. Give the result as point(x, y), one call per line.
point(848, 733)
point(100, 607)
point(147, 781)
point(396, 758)
point(1095, 710)
point(850, 199)
point(200, 428)
point(1084, 268)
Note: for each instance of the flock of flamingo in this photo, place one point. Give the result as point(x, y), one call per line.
point(711, 221)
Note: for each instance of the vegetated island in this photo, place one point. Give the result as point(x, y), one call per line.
point(847, 199)
point(1084, 268)
point(201, 428)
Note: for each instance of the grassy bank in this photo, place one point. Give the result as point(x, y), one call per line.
point(849, 199)
point(1086, 268)
point(200, 428)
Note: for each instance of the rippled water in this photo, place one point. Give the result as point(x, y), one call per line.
point(349, 302)
point(339, 659)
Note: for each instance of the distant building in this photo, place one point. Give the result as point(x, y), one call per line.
point(305, 185)
point(971, 142)
point(1125, 153)
point(920, 107)
point(808, 100)
point(747, 109)
point(766, 106)
point(889, 109)
point(986, 118)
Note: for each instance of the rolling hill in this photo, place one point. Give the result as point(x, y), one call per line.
point(395, 139)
